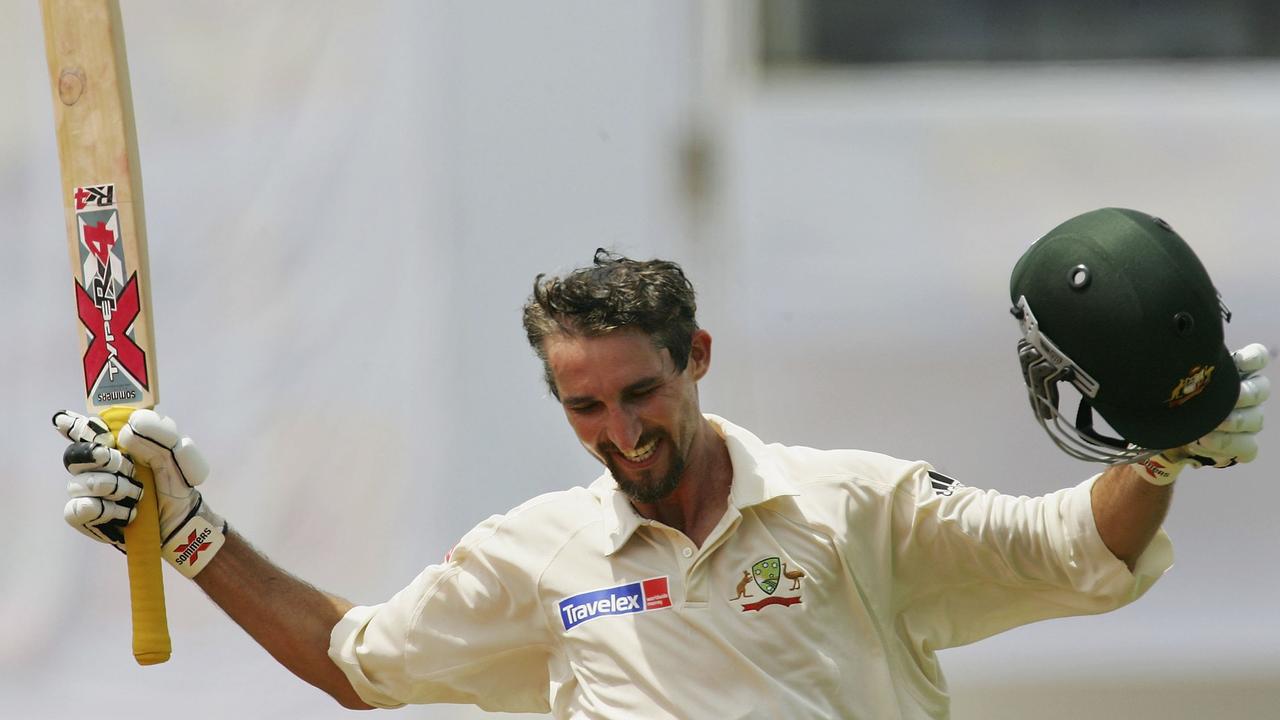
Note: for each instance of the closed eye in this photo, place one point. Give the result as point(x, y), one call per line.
point(644, 393)
point(583, 408)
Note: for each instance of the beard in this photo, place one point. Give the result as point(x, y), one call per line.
point(648, 487)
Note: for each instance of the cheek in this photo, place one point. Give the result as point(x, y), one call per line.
point(585, 428)
point(692, 416)
point(684, 404)
point(675, 413)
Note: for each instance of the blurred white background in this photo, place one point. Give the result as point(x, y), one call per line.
point(347, 204)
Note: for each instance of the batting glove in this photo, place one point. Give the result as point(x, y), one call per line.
point(1235, 440)
point(104, 493)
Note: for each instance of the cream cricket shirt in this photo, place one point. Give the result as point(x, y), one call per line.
point(824, 592)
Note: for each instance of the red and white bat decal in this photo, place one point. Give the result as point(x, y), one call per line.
point(115, 368)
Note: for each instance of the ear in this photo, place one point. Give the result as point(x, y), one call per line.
point(700, 354)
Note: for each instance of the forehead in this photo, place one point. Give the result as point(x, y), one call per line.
point(604, 364)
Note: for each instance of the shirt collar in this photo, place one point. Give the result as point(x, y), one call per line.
point(757, 479)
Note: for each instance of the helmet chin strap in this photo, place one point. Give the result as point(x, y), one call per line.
point(1079, 440)
point(1084, 424)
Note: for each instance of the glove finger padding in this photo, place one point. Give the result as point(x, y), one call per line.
point(1254, 391)
point(149, 436)
point(153, 440)
point(81, 428)
point(100, 519)
point(1224, 449)
point(1236, 439)
point(1243, 420)
point(102, 489)
point(191, 462)
point(105, 486)
point(81, 457)
point(1251, 358)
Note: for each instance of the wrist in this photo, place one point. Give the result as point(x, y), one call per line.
point(191, 547)
point(1159, 469)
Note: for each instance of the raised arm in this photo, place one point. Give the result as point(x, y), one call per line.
point(289, 618)
point(1130, 501)
point(1128, 511)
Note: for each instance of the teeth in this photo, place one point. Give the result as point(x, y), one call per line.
point(641, 453)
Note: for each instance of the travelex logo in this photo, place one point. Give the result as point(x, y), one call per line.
point(633, 597)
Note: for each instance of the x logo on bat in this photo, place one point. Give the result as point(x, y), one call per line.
point(127, 353)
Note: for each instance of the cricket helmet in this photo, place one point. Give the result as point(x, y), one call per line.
point(1115, 303)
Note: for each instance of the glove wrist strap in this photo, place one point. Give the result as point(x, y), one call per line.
point(1159, 470)
point(190, 548)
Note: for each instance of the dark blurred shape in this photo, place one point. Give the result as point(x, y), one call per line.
point(831, 32)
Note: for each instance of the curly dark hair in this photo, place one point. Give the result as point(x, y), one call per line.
point(614, 292)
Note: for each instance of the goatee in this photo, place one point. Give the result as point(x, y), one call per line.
point(647, 490)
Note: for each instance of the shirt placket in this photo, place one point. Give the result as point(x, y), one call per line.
point(695, 563)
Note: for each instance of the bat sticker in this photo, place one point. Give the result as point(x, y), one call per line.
point(100, 195)
point(107, 301)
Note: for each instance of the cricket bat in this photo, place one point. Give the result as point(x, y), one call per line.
point(102, 193)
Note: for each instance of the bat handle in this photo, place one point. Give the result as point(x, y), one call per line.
point(151, 644)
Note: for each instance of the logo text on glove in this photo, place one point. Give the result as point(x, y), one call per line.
point(191, 549)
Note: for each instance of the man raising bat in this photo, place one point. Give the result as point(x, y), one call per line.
point(709, 574)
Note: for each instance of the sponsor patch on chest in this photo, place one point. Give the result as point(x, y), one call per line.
point(636, 597)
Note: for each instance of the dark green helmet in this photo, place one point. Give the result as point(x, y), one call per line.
point(1114, 302)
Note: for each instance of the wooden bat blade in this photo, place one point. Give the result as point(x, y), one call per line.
point(106, 236)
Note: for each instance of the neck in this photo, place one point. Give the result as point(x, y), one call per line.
point(703, 494)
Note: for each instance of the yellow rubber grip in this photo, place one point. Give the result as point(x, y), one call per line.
point(151, 644)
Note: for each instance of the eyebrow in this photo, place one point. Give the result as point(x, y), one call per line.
point(640, 384)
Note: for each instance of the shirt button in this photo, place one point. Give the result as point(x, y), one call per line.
point(687, 552)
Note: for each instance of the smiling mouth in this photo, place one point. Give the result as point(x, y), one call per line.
point(642, 453)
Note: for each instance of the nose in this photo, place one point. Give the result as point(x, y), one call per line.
point(623, 428)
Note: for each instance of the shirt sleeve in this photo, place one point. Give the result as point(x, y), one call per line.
point(970, 563)
point(470, 631)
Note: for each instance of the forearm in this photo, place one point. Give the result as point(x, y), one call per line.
point(1128, 511)
point(289, 618)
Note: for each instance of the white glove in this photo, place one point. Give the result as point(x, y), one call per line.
point(104, 493)
point(1235, 440)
